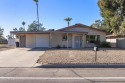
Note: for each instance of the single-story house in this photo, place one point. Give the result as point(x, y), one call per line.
point(116, 41)
point(75, 36)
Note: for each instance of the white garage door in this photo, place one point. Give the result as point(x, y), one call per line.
point(42, 40)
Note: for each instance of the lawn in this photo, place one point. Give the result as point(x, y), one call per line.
point(82, 56)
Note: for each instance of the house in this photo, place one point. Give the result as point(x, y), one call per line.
point(116, 41)
point(75, 36)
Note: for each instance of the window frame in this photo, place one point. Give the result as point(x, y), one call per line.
point(96, 38)
point(64, 37)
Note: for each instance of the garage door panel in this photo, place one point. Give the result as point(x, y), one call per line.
point(30, 41)
point(42, 40)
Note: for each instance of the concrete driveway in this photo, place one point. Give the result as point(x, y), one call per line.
point(20, 57)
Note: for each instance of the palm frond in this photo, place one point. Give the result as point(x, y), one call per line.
point(68, 19)
point(35, 0)
point(23, 23)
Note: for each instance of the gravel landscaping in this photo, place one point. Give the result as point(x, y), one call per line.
point(5, 47)
point(83, 56)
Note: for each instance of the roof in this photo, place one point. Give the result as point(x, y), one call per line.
point(80, 25)
point(44, 32)
point(28, 32)
point(113, 36)
point(57, 31)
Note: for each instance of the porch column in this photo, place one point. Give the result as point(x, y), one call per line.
point(50, 40)
point(12, 35)
point(67, 40)
point(19, 40)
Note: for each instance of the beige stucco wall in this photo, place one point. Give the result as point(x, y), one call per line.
point(57, 40)
point(90, 32)
point(120, 43)
point(112, 42)
point(30, 40)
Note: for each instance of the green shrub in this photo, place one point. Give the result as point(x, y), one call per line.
point(105, 45)
point(58, 46)
point(64, 46)
point(97, 43)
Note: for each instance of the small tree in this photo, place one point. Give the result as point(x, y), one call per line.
point(35, 26)
point(1, 31)
point(15, 29)
point(9, 36)
point(1, 34)
point(100, 24)
point(21, 29)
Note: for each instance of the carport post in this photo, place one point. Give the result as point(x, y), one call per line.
point(50, 40)
point(67, 40)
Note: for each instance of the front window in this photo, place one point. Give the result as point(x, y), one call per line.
point(92, 38)
point(64, 37)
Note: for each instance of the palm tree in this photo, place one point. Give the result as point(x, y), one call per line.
point(36, 1)
point(23, 23)
point(68, 19)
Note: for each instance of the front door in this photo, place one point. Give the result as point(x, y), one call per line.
point(78, 41)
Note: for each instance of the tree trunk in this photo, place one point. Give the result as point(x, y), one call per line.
point(24, 27)
point(68, 24)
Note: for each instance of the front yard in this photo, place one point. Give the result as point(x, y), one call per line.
point(5, 47)
point(82, 56)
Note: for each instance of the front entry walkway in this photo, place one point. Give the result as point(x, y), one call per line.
point(19, 57)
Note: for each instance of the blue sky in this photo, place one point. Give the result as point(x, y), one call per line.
point(52, 13)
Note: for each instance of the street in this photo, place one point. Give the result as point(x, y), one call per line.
point(59, 80)
point(62, 75)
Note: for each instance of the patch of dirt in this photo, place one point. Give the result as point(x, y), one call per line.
point(82, 56)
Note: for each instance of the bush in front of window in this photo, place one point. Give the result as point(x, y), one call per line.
point(105, 45)
point(97, 43)
point(58, 46)
point(64, 46)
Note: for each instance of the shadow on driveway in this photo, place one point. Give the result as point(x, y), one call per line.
point(37, 49)
point(82, 66)
point(82, 49)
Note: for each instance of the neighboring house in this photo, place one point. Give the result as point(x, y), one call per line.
point(76, 36)
point(116, 41)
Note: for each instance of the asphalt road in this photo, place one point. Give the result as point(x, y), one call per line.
point(62, 75)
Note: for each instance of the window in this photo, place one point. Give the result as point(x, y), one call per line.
point(92, 38)
point(64, 37)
